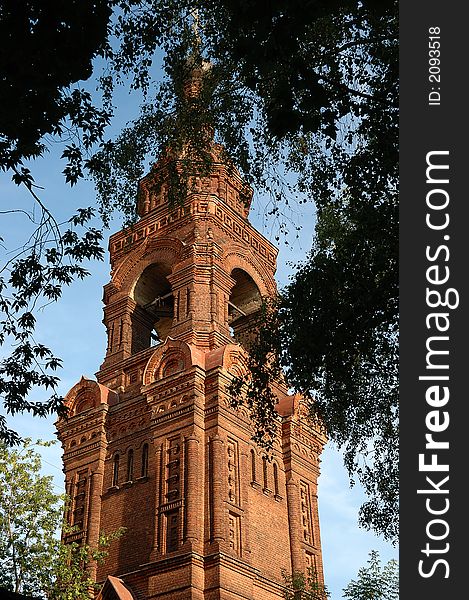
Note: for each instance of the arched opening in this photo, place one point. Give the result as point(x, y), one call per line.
point(243, 307)
point(153, 316)
point(264, 473)
point(276, 480)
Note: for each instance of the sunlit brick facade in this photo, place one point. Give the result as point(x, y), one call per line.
point(153, 445)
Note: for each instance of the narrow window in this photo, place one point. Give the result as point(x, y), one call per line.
point(276, 479)
point(264, 468)
point(253, 465)
point(115, 471)
point(130, 465)
point(145, 460)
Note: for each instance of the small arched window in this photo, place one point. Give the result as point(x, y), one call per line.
point(253, 466)
point(115, 471)
point(264, 469)
point(276, 479)
point(144, 471)
point(130, 465)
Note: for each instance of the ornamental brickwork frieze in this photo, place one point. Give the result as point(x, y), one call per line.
point(238, 233)
point(239, 412)
point(172, 415)
point(126, 415)
point(306, 520)
point(232, 469)
point(121, 243)
point(222, 217)
point(77, 450)
point(164, 410)
point(306, 438)
point(124, 430)
point(162, 393)
point(87, 423)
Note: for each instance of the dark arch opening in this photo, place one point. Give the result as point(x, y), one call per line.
point(243, 307)
point(154, 313)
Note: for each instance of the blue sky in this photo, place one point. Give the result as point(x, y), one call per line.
point(73, 329)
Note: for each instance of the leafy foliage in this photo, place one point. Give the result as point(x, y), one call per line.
point(46, 47)
point(30, 514)
point(304, 587)
point(257, 389)
point(343, 355)
point(69, 579)
point(33, 560)
point(333, 330)
point(375, 582)
point(50, 260)
point(279, 74)
point(303, 97)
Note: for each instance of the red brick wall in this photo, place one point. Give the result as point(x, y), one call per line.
point(233, 536)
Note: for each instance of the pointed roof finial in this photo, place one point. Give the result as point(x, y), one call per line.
point(197, 65)
point(195, 29)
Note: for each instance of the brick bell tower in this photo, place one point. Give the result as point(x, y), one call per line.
point(153, 445)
